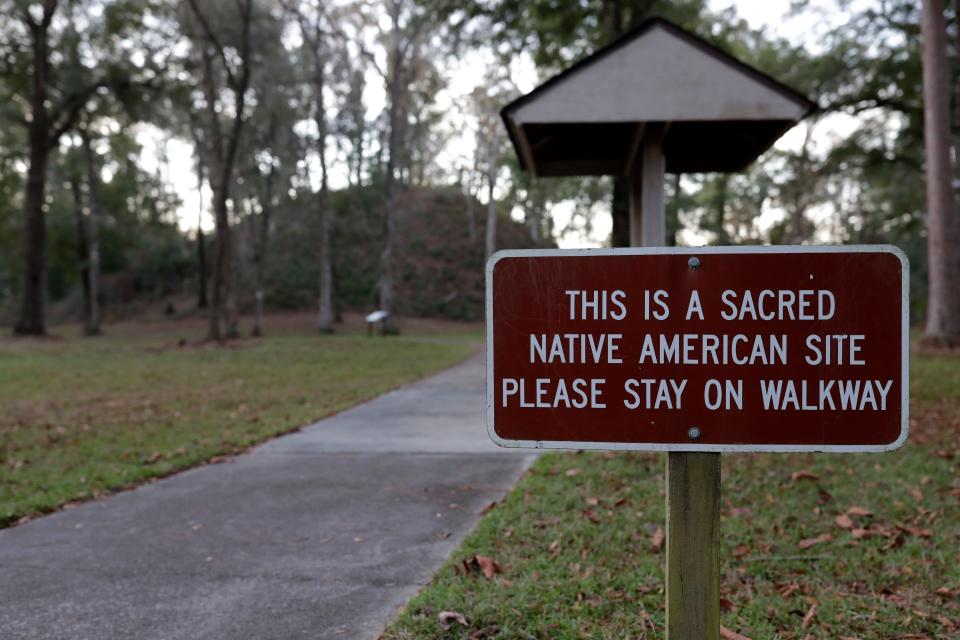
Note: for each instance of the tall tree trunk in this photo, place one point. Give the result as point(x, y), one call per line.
point(201, 241)
point(260, 256)
point(76, 188)
point(91, 325)
point(394, 118)
point(468, 202)
point(325, 315)
point(222, 156)
point(943, 226)
point(32, 319)
point(492, 153)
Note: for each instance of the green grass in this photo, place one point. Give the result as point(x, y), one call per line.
point(575, 541)
point(81, 417)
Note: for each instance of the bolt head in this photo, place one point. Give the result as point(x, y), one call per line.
point(694, 433)
point(693, 262)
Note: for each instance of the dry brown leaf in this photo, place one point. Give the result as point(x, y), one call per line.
point(546, 522)
point(808, 619)
point(843, 521)
point(488, 565)
point(803, 475)
point(487, 509)
point(726, 634)
point(591, 515)
point(915, 531)
point(810, 542)
point(657, 539)
point(572, 472)
point(859, 511)
point(484, 564)
point(446, 617)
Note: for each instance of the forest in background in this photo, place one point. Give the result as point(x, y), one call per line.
point(338, 178)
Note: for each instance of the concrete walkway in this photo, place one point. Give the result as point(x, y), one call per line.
point(320, 534)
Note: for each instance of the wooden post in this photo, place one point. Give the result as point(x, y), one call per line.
point(693, 479)
point(693, 546)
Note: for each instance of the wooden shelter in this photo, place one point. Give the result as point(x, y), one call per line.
point(717, 113)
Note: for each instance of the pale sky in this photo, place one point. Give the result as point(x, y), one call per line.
point(465, 72)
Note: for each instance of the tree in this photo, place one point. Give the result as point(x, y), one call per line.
point(47, 94)
point(317, 33)
point(943, 227)
point(91, 324)
point(403, 42)
point(233, 57)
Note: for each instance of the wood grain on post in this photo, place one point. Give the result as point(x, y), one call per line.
point(693, 546)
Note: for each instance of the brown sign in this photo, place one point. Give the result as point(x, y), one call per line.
point(708, 349)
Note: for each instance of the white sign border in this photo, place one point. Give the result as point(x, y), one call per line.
point(719, 448)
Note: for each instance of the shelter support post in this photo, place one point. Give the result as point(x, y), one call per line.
point(693, 479)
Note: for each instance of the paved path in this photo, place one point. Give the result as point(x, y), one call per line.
point(320, 534)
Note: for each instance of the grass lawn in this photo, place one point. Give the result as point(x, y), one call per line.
point(81, 417)
point(813, 545)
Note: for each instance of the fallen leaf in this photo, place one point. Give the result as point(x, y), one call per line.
point(572, 472)
point(726, 605)
point(593, 502)
point(917, 494)
point(803, 475)
point(808, 619)
point(726, 634)
point(487, 509)
point(484, 564)
point(915, 531)
point(861, 533)
point(487, 632)
point(546, 522)
point(446, 617)
point(843, 521)
point(657, 539)
point(154, 457)
point(859, 511)
point(591, 515)
point(810, 542)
